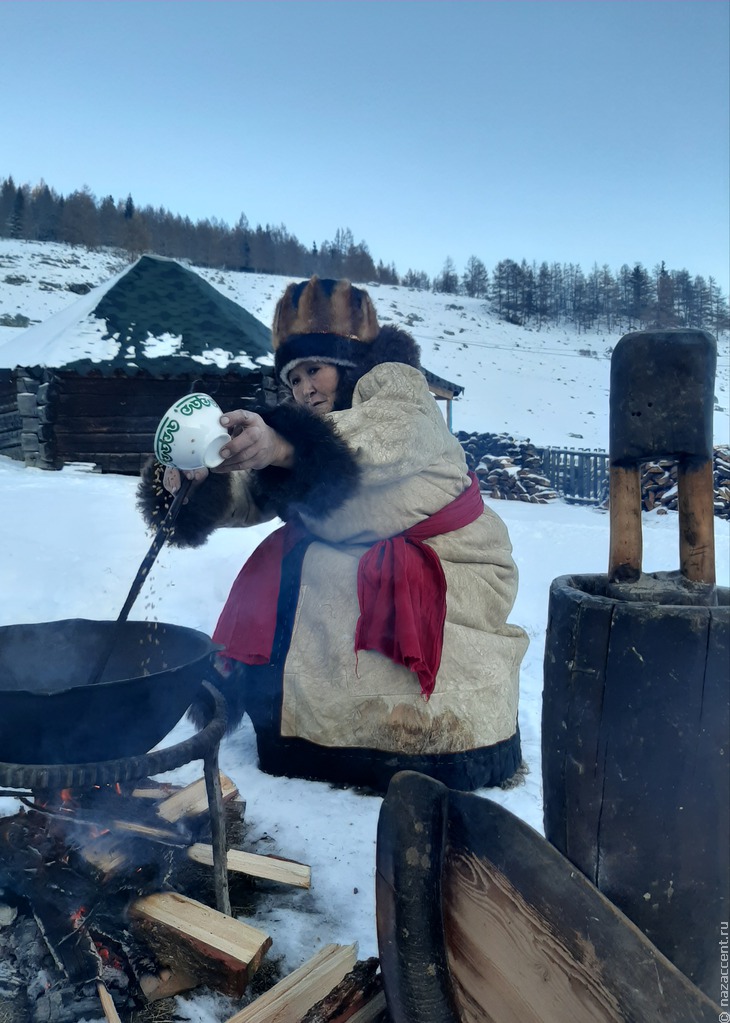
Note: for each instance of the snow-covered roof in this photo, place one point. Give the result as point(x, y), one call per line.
point(156, 315)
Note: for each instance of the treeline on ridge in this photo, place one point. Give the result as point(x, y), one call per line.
point(523, 293)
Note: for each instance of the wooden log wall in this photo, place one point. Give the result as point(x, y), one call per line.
point(110, 421)
point(35, 390)
point(10, 422)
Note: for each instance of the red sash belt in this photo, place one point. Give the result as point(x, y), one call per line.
point(401, 589)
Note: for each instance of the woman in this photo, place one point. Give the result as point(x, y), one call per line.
point(370, 634)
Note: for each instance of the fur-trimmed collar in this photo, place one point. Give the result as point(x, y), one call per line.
point(392, 345)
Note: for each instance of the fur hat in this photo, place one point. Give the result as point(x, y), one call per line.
point(329, 321)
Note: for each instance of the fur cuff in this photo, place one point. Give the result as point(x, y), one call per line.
point(204, 512)
point(325, 473)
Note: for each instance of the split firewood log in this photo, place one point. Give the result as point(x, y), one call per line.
point(291, 999)
point(190, 937)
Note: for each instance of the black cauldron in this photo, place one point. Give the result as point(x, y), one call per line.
point(51, 714)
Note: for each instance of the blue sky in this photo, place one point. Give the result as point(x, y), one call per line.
point(562, 130)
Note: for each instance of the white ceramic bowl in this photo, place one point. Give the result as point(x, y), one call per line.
point(190, 435)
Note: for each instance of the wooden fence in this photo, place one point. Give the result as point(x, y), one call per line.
point(578, 476)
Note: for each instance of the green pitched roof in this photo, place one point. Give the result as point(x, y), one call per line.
point(157, 316)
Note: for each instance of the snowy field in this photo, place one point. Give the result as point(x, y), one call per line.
point(87, 543)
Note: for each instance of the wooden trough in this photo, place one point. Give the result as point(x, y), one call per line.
point(480, 920)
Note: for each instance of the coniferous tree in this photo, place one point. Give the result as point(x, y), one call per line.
point(18, 215)
point(44, 213)
point(527, 291)
point(720, 314)
point(520, 292)
point(640, 309)
point(7, 201)
point(475, 279)
point(417, 279)
point(682, 296)
point(78, 223)
point(358, 263)
point(665, 315)
point(447, 281)
point(608, 292)
point(386, 274)
point(543, 294)
point(702, 307)
point(507, 290)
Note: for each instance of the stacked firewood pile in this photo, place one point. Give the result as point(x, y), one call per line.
point(512, 470)
point(722, 482)
point(507, 470)
point(502, 480)
point(659, 483)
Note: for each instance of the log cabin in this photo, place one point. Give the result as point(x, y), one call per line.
point(91, 383)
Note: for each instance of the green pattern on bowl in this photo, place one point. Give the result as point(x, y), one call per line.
point(187, 405)
point(163, 440)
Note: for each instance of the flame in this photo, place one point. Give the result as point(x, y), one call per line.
point(98, 832)
point(78, 916)
point(108, 956)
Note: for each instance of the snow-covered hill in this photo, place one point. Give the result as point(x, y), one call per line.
point(549, 385)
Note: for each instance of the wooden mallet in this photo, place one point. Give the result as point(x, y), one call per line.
point(661, 406)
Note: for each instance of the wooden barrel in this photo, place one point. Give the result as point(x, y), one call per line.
point(636, 760)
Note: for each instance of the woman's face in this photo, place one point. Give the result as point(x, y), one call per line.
point(314, 385)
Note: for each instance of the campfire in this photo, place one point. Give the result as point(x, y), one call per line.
point(106, 906)
point(118, 891)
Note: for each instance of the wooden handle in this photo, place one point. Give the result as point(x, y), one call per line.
point(696, 509)
point(696, 501)
point(624, 502)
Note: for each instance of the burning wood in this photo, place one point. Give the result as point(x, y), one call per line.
point(89, 866)
point(179, 839)
point(192, 801)
point(105, 878)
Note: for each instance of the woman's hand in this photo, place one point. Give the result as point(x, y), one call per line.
point(253, 444)
point(171, 479)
